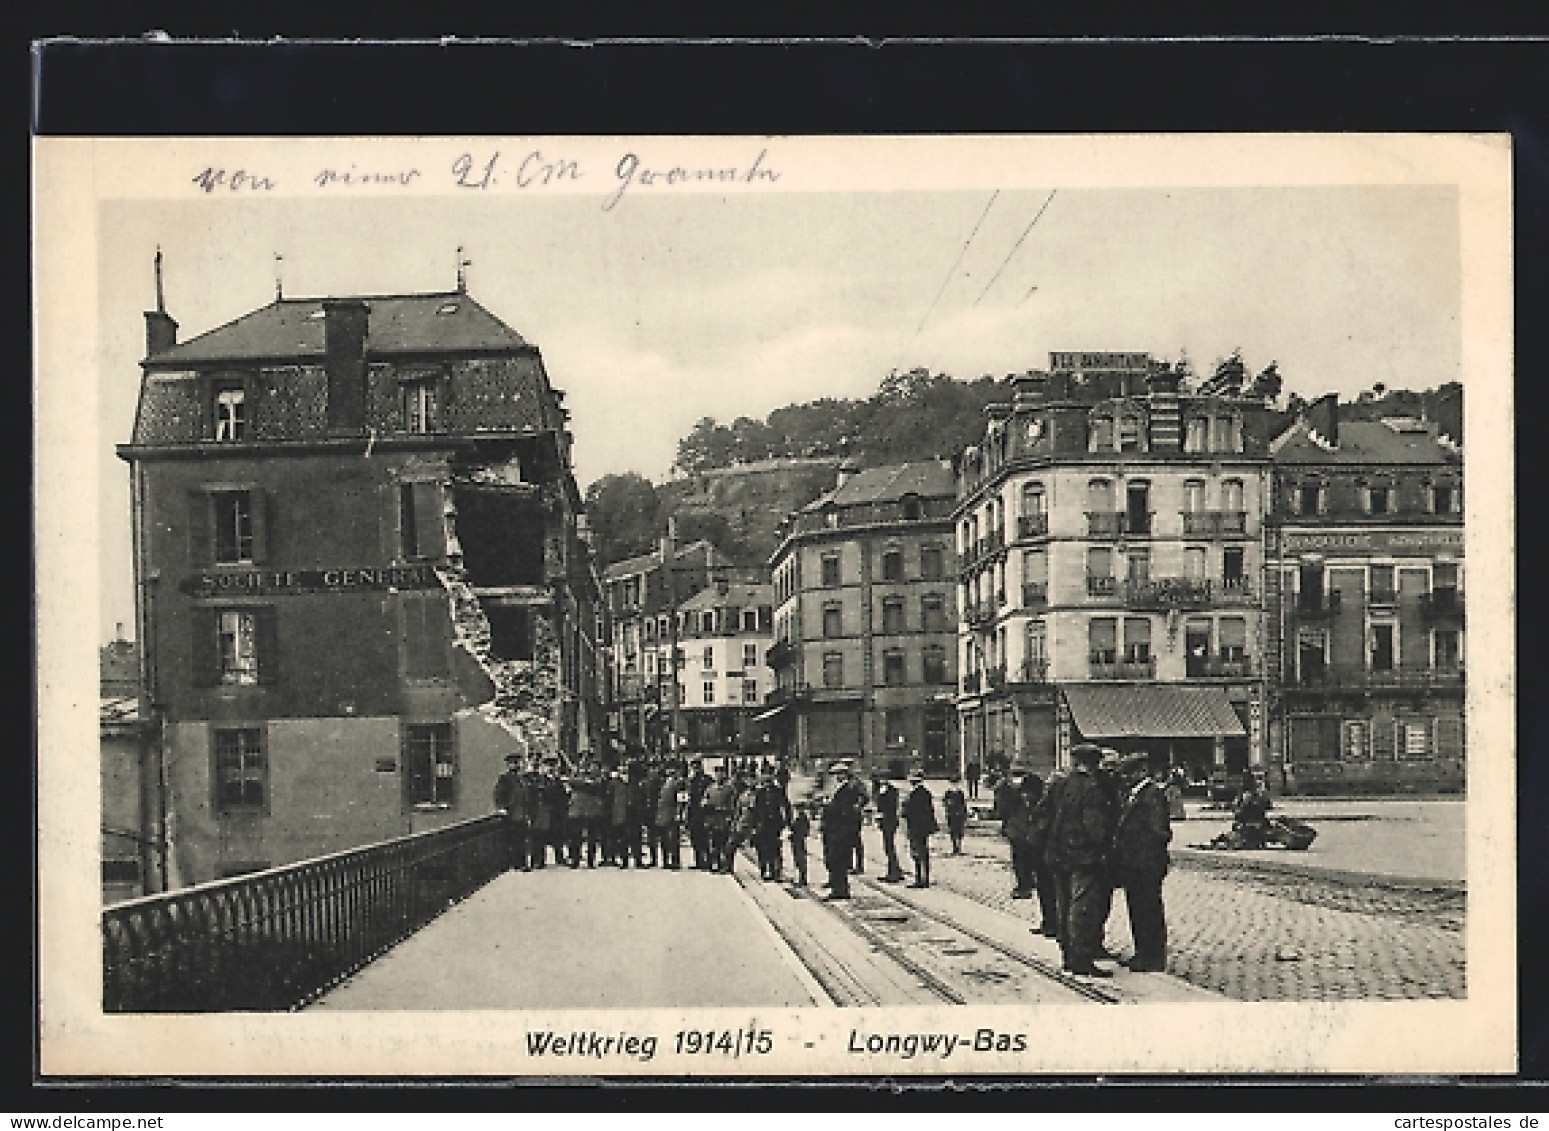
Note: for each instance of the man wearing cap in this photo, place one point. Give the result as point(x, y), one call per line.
point(698, 837)
point(720, 807)
point(885, 794)
point(552, 800)
point(771, 817)
point(1140, 861)
point(920, 820)
point(1079, 837)
point(511, 799)
point(841, 830)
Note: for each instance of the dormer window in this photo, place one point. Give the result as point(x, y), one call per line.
point(230, 414)
point(1102, 434)
point(1194, 436)
point(1129, 434)
point(420, 406)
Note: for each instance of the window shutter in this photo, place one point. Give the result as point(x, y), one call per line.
point(204, 623)
point(429, 522)
point(201, 522)
point(258, 501)
point(1383, 739)
point(1449, 736)
point(266, 630)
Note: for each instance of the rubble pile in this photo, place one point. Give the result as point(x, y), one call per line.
point(526, 691)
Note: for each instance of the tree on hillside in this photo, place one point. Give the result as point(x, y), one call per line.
point(625, 514)
point(708, 445)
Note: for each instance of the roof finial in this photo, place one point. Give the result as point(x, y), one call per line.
point(279, 276)
point(161, 300)
point(462, 274)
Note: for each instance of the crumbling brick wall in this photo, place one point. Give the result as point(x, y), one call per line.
point(527, 696)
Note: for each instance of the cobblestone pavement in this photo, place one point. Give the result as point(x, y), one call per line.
point(1266, 936)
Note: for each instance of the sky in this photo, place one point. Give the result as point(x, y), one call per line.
point(667, 309)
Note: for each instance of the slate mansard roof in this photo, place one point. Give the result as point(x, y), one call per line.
point(928, 479)
point(1365, 442)
point(292, 328)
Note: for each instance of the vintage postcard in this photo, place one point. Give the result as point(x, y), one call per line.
point(775, 606)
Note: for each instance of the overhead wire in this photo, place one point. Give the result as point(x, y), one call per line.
point(1013, 251)
point(951, 271)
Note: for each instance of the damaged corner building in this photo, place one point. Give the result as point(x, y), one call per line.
point(363, 571)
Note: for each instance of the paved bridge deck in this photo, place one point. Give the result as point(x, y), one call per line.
point(603, 938)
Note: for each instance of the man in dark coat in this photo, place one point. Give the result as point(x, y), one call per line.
point(552, 804)
point(650, 791)
point(771, 817)
point(585, 818)
point(972, 774)
point(920, 823)
point(720, 808)
point(1079, 836)
point(1016, 825)
point(616, 847)
point(698, 836)
point(841, 829)
point(885, 795)
point(1140, 861)
point(1038, 816)
point(954, 803)
point(511, 799)
point(857, 845)
point(666, 829)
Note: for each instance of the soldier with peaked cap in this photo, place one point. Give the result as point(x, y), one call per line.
point(771, 817)
point(841, 829)
point(720, 809)
point(1140, 860)
point(511, 799)
point(1079, 835)
point(920, 820)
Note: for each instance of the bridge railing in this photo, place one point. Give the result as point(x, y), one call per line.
point(274, 940)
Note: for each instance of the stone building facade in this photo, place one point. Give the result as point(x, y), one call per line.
point(1110, 541)
point(1367, 544)
point(361, 573)
point(864, 623)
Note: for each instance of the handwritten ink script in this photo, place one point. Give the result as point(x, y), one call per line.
point(235, 181)
point(494, 170)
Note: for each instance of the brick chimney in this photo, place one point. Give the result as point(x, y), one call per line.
point(160, 327)
point(1029, 389)
point(1323, 419)
point(344, 338)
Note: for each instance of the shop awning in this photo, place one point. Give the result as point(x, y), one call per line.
point(769, 714)
point(1152, 712)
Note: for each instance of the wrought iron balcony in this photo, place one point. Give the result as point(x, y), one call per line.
point(1168, 593)
point(1403, 677)
point(1317, 606)
point(1035, 595)
point(1031, 671)
point(995, 678)
point(1215, 524)
point(275, 939)
point(1112, 524)
point(1102, 586)
point(978, 614)
point(1234, 592)
point(1220, 667)
point(1032, 525)
point(1442, 605)
point(1123, 669)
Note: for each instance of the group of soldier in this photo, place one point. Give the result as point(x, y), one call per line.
point(1074, 840)
point(1101, 826)
point(637, 813)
